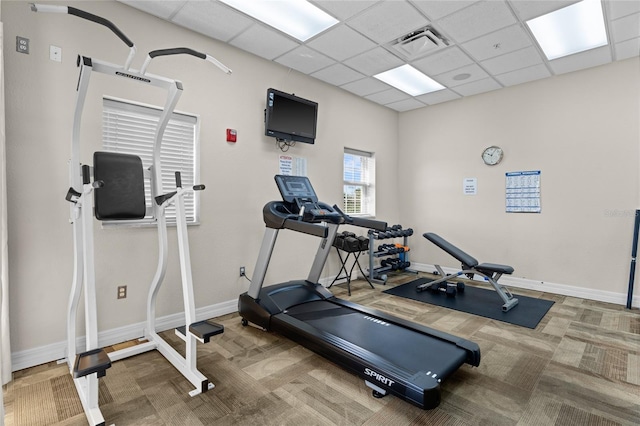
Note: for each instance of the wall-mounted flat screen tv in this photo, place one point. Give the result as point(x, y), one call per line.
point(290, 118)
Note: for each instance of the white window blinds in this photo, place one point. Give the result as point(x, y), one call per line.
point(130, 128)
point(359, 171)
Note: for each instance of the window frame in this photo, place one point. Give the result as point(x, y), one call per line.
point(366, 183)
point(143, 147)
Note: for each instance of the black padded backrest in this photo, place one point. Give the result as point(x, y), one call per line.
point(466, 259)
point(122, 196)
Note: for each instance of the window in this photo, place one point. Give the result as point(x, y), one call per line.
point(359, 171)
point(130, 128)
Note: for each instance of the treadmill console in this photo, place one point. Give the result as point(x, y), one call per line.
point(300, 199)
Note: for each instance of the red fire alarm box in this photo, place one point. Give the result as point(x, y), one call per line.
point(231, 135)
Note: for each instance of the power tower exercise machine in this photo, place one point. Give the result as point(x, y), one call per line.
point(118, 190)
point(392, 355)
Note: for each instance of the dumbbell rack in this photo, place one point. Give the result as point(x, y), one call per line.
point(379, 274)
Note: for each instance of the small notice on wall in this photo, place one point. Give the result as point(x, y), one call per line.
point(470, 186)
point(523, 192)
point(292, 166)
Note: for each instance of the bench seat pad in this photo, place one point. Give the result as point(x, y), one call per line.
point(494, 267)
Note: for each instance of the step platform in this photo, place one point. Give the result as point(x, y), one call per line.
point(203, 330)
point(93, 361)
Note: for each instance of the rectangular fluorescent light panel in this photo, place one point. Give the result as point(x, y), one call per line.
point(570, 30)
point(300, 19)
point(409, 80)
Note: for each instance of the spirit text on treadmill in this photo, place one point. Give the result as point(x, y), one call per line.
point(379, 377)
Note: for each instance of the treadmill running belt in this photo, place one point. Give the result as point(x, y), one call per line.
point(412, 350)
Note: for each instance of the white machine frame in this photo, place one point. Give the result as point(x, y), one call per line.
point(81, 212)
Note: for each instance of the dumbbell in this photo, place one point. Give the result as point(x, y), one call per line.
point(364, 242)
point(448, 289)
point(386, 262)
point(392, 263)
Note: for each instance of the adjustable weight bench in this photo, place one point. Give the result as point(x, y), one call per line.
point(470, 267)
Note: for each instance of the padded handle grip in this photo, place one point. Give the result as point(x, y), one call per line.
point(182, 51)
point(102, 21)
point(86, 174)
point(177, 51)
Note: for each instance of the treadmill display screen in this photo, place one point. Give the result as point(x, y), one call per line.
point(296, 187)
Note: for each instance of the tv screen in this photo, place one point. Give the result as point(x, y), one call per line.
point(290, 118)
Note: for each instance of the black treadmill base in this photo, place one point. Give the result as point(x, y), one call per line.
point(405, 359)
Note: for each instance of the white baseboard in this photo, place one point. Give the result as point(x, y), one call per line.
point(548, 287)
point(55, 351)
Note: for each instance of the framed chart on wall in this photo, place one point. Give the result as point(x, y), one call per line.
point(522, 192)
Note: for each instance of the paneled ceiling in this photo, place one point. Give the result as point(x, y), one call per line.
point(487, 44)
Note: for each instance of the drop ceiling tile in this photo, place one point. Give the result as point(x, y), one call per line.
point(388, 96)
point(388, 20)
point(212, 19)
point(477, 87)
point(341, 42)
point(476, 20)
point(161, 9)
point(406, 105)
point(374, 61)
point(443, 61)
point(626, 28)
point(264, 42)
point(627, 49)
point(436, 9)
point(529, 9)
point(523, 75)
point(365, 87)
point(337, 75)
point(498, 43)
point(438, 97)
point(512, 61)
point(588, 59)
point(452, 78)
point(305, 60)
point(620, 8)
point(344, 9)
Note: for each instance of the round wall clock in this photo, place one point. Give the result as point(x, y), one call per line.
point(492, 155)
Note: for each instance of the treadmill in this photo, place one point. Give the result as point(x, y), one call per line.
point(393, 355)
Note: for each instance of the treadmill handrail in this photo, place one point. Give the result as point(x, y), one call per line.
point(362, 222)
point(316, 229)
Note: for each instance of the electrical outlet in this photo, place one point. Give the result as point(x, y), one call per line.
point(242, 271)
point(22, 45)
point(122, 292)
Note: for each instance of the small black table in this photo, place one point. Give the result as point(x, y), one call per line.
point(352, 246)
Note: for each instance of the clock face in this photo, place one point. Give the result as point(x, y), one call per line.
point(492, 155)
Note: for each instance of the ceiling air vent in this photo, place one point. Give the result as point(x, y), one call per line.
point(419, 43)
